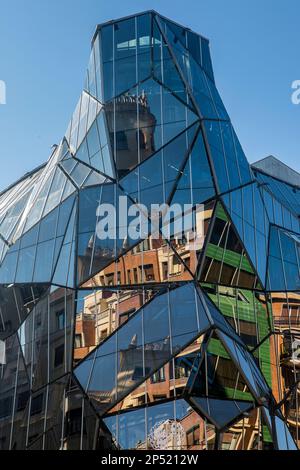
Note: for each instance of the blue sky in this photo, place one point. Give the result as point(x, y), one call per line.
point(44, 51)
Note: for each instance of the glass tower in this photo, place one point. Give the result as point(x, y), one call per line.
point(149, 342)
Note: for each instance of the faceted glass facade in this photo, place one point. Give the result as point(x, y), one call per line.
point(147, 344)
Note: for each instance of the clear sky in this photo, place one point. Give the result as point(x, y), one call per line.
point(44, 51)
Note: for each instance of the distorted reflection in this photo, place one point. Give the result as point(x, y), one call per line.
point(100, 312)
point(157, 261)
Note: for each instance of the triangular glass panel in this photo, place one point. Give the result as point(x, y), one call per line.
point(283, 261)
point(248, 312)
point(142, 120)
point(188, 39)
point(64, 270)
point(38, 248)
point(169, 426)
point(195, 76)
point(84, 114)
point(164, 68)
point(56, 191)
point(93, 307)
point(95, 148)
point(40, 198)
point(247, 366)
point(226, 261)
point(12, 217)
point(218, 377)
point(138, 265)
point(285, 193)
point(167, 382)
point(124, 350)
point(228, 159)
point(221, 412)
point(80, 173)
point(147, 187)
point(187, 230)
point(249, 217)
point(195, 185)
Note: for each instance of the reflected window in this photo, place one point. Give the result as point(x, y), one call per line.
point(60, 318)
point(158, 376)
point(22, 400)
point(121, 140)
point(78, 341)
point(193, 436)
point(36, 404)
point(103, 334)
point(59, 355)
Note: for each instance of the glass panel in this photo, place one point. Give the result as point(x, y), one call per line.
point(43, 262)
point(25, 264)
point(221, 412)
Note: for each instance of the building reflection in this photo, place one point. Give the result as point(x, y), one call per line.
point(154, 260)
point(131, 125)
point(286, 314)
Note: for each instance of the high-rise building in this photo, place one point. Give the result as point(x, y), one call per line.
point(136, 339)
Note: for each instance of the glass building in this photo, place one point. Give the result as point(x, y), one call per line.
point(147, 343)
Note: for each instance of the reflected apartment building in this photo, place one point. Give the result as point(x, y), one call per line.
point(182, 342)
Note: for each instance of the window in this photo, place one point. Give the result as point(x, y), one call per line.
point(59, 355)
point(193, 436)
point(176, 266)
point(38, 320)
point(22, 400)
point(141, 400)
point(187, 262)
point(139, 372)
point(36, 405)
point(60, 318)
point(128, 276)
point(182, 371)
point(125, 315)
point(110, 279)
point(5, 407)
point(7, 326)
point(74, 418)
point(121, 140)
point(149, 272)
point(78, 341)
point(103, 334)
point(165, 270)
point(159, 397)
point(141, 139)
point(158, 376)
